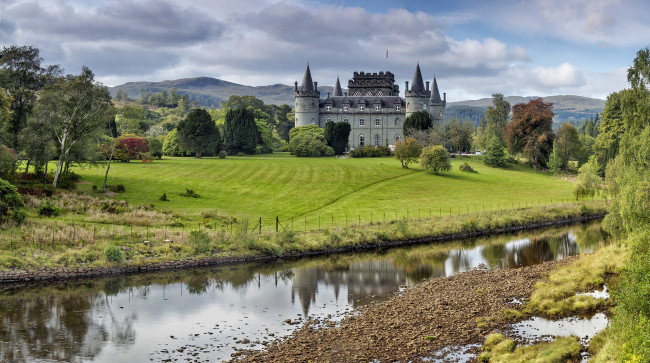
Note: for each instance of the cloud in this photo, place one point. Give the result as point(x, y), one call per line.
point(147, 23)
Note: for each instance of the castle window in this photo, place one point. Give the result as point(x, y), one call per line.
point(380, 93)
point(345, 108)
point(329, 119)
point(396, 121)
point(362, 122)
point(357, 94)
point(346, 120)
point(397, 138)
point(377, 140)
point(424, 107)
point(361, 141)
point(368, 93)
point(360, 108)
point(328, 108)
point(377, 122)
point(377, 108)
point(397, 108)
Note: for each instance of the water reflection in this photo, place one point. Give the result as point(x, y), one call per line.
point(207, 311)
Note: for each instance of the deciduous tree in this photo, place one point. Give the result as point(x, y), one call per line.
point(76, 107)
point(407, 151)
point(530, 131)
point(497, 117)
point(435, 159)
point(567, 142)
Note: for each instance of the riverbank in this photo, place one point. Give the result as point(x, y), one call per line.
point(492, 225)
point(437, 313)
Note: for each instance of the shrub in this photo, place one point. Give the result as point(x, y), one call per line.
point(200, 241)
point(10, 202)
point(370, 152)
point(117, 188)
point(435, 159)
point(190, 194)
point(47, 209)
point(163, 198)
point(407, 151)
point(68, 180)
point(114, 254)
point(466, 168)
point(222, 154)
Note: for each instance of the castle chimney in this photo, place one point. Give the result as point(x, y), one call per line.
point(315, 86)
point(407, 86)
point(427, 82)
point(295, 86)
point(445, 96)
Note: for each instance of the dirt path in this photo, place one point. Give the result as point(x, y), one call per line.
point(434, 314)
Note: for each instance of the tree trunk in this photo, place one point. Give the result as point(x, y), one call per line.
point(58, 170)
point(27, 167)
point(45, 176)
point(198, 155)
point(109, 165)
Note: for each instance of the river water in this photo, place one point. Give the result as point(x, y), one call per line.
point(205, 315)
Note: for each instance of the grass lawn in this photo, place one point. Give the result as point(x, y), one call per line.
point(282, 185)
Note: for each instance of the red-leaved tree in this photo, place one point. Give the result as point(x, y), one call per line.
point(530, 131)
point(130, 147)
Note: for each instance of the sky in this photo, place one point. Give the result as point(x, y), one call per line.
point(473, 47)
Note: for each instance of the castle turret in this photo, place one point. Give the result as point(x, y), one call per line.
point(437, 105)
point(338, 92)
point(417, 96)
point(307, 99)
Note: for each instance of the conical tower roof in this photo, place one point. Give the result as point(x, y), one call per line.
point(307, 83)
point(435, 94)
point(337, 89)
point(418, 83)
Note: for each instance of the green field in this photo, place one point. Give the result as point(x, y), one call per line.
point(294, 188)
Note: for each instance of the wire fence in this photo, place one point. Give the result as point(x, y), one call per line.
point(50, 234)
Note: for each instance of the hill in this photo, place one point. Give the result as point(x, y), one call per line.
point(208, 91)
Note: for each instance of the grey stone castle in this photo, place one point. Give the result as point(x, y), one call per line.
point(372, 105)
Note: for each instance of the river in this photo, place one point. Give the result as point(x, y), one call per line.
point(205, 315)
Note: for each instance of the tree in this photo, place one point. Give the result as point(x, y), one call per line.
point(240, 132)
point(337, 135)
point(429, 137)
point(76, 107)
point(459, 135)
point(198, 133)
point(5, 108)
point(495, 155)
point(309, 141)
point(554, 160)
point(23, 76)
point(567, 142)
point(588, 182)
point(284, 121)
point(171, 146)
point(639, 74)
point(530, 131)
point(497, 117)
point(10, 202)
point(407, 151)
point(611, 129)
point(435, 159)
point(420, 120)
point(479, 139)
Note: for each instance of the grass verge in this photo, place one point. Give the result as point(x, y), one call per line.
point(499, 349)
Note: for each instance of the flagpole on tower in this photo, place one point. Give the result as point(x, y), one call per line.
point(386, 60)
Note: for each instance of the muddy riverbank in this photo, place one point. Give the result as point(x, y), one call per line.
point(21, 276)
point(417, 322)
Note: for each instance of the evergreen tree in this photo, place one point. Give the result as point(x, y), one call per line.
point(240, 132)
point(420, 120)
point(495, 154)
point(198, 133)
point(497, 117)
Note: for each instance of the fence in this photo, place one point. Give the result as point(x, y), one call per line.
point(71, 234)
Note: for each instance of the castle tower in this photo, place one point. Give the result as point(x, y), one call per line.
point(437, 105)
point(306, 101)
point(338, 92)
point(417, 96)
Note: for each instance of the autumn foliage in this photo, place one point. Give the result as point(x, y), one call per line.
point(530, 131)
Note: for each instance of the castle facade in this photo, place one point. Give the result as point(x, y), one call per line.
point(371, 105)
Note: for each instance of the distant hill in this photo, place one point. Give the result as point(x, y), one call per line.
point(208, 91)
point(567, 108)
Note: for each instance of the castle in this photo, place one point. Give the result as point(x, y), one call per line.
point(372, 105)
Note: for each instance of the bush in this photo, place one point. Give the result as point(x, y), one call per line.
point(47, 209)
point(190, 193)
point(163, 198)
point(222, 154)
point(68, 180)
point(200, 241)
point(466, 168)
point(117, 188)
point(435, 159)
point(370, 152)
point(114, 254)
point(10, 202)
